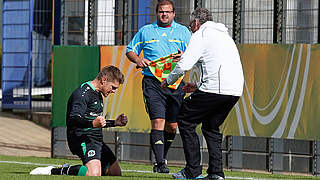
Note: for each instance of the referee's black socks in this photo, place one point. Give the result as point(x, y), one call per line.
point(157, 144)
point(77, 170)
point(168, 140)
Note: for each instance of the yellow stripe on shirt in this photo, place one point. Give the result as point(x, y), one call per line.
point(134, 47)
point(151, 41)
point(174, 40)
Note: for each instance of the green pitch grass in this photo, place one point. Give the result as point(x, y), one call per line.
point(18, 168)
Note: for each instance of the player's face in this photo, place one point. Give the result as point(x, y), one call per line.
point(109, 87)
point(165, 15)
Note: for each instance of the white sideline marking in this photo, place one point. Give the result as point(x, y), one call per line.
point(125, 170)
point(28, 163)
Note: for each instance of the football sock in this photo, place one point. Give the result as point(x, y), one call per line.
point(157, 144)
point(168, 140)
point(77, 170)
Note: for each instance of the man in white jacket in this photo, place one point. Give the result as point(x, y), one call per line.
point(219, 89)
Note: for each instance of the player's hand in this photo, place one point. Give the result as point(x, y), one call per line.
point(177, 57)
point(164, 84)
point(99, 122)
point(189, 87)
point(142, 62)
point(121, 120)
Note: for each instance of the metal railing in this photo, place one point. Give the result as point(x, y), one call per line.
point(254, 21)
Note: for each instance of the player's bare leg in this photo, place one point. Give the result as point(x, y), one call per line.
point(93, 168)
point(114, 170)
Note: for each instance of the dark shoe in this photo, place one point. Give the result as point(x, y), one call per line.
point(182, 175)
point(160, 168)
point(66, 165)
point(213, 177)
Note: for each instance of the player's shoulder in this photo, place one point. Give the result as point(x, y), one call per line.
point(82, 89)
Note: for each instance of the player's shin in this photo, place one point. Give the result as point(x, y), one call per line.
point(77, 170)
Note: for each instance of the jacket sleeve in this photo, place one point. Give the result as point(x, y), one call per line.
point(188, 59)
point(78, 106)
point(79, 122)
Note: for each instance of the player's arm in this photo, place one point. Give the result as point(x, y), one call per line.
point(79, 122)
point(121, 120)
point(77, 106)
point(101, 122)
point(98, 122)
point(76, 113)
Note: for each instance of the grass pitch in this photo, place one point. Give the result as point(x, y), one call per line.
point(18, 168)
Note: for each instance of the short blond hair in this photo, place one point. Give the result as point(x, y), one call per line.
point(112, 74)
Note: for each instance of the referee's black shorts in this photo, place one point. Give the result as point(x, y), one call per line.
point(162, 103)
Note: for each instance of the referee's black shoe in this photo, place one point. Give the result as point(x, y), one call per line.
point(160, 168)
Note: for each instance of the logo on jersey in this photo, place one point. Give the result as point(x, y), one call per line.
point(94, 114)
point(91, 153)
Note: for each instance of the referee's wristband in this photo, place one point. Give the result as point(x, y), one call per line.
point(110, 123)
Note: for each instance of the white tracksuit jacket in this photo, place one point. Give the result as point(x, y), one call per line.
point(215, 52)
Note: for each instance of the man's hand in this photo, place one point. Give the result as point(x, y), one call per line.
point(177, 57)
point(164, 84)
point(121, 120)
point(99, 122)
point(142, 62)
point(189, 87)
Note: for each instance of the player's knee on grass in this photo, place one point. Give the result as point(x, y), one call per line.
point(113, 170)
point(93, 168)
point(93, 172)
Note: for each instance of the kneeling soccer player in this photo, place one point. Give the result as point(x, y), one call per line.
point(84, 128)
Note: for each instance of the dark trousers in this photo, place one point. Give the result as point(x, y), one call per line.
point(211, 110)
